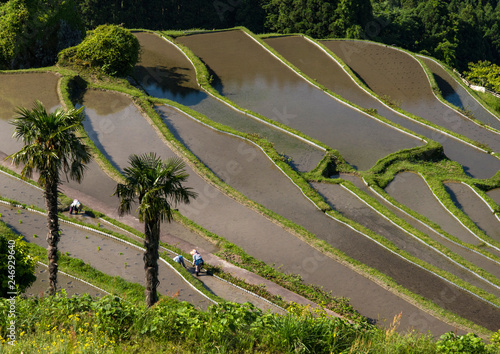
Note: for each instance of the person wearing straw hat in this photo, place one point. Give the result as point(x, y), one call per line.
point(197, 261)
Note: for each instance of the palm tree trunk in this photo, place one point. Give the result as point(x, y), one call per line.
point(151, 243)
point(53, 234)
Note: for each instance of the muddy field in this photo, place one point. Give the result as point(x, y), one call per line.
point(420, 199)
point(118, 130)
point(217, 151)
point(238, 224)
point(109, 256)
point(21, 90)
point(70, 285)
point(350, 206)
point(475, 258)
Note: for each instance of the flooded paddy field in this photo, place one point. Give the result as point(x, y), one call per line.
point(165, 72)
point(247, 74)
point(315, 63)
point(454, 93)
point(22, 90)
point(495, 195)
point(229, 219)
point(411, 190)
point(12, 188)
point(475, 208)
point(253, 78)
point(218, 151)
point(475, 258)
point(398, 76)
point(350, 206)
point(102, 253)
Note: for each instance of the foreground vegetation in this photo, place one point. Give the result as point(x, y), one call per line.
point(60, 324)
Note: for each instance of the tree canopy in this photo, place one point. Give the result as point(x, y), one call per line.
point(455, 31)
point(32, 32)
point(484, 74)
point(51, 147)
point(157, 186)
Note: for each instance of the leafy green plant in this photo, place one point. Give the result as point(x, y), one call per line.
point(468, 343)
point(17, 266)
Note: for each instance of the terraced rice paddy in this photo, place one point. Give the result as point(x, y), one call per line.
point(454, 93)
point(431, 254)
point(323, 68)
point(254, 79)
point(157, 79)
point(400, 77)
point(117, 259)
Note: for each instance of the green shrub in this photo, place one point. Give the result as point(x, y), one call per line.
point(109, 48)
point(469, 343)
point(17, 267)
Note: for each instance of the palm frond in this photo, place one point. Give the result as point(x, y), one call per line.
point(156, 185)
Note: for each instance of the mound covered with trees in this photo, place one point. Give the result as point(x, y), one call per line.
point(109, 48)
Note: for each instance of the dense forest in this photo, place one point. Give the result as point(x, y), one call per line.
point(455, 31)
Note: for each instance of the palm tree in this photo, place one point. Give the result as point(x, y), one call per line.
point(157, 186)
point(51, 146)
